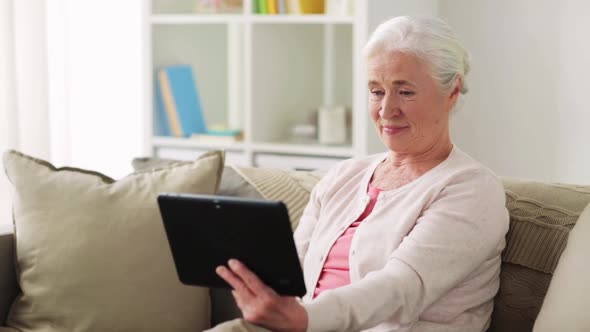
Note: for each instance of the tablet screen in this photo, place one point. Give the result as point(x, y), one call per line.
point(205, 231)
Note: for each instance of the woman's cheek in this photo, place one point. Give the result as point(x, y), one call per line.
point(374, 110)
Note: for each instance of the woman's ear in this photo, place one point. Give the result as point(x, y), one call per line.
point(455, 92)
point(458, 86)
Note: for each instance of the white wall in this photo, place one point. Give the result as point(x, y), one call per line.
point(574, 92)
point(527, 112)
point(96, 77)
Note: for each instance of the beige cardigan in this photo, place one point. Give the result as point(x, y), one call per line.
point(426, 259)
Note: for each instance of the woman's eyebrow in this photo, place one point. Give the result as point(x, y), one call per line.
point(403, 82)
point(396, 83)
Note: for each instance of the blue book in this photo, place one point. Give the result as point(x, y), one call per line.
point(161, 125)
point(181, 100)
point(224, 132)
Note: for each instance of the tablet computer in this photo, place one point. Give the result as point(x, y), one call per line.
point(205, 231)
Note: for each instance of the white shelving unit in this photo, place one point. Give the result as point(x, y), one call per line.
point(263, 73)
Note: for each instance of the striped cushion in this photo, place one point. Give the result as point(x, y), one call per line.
point(291, 187)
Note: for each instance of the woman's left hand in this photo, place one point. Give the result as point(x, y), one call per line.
point(260, 304)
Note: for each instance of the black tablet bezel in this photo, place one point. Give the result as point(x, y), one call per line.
point(205, 231)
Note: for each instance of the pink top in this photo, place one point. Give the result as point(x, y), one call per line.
point(335, 272)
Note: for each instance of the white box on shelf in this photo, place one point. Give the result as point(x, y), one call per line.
point(332, 125)
point(339, 7)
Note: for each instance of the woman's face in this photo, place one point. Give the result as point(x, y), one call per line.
point(408, 108)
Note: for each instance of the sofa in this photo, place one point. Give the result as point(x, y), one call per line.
point(541, 218)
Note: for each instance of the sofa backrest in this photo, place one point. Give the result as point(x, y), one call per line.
point(541, 216)
point(8, 285)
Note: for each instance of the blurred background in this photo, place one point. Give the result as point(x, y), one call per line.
point(73, 82)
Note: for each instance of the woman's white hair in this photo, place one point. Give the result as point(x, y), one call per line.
point(430, 39)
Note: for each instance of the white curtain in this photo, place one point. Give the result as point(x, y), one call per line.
point(71, 84)
point(24, 107)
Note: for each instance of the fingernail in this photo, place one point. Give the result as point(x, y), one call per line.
point(233, 263)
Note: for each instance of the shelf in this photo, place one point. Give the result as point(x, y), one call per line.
point(313, 149)
point(179, 142)
point(236, 59)
point(304, 149)
point(255, 18)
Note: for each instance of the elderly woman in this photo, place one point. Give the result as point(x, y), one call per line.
point(407, 240)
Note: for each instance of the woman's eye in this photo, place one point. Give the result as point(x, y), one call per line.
point(407, 93)
point(377, 93)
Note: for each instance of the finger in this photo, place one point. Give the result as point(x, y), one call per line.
point(233, 280)
point(251, 280)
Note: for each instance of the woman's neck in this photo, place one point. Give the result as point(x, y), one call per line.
point(422, 161)
point(400, 169)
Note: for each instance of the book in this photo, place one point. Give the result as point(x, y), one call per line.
point(282, 6)
point(169, 106)
point(293, 7)
point(255, 7)
point(272, 7)
point(161, 125)
point(181, 100)
point(311, 6)
point(224, 132)
point(262, 6)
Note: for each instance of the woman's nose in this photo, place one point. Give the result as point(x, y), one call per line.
point(390, 107)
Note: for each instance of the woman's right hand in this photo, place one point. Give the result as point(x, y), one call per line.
point(260, 304)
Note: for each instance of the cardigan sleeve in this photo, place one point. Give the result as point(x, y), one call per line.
point(461, 229)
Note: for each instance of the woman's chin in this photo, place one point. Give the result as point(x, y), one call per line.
point(393, 144)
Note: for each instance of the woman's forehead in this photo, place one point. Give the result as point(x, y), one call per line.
point(394, 60)
point(402, 65)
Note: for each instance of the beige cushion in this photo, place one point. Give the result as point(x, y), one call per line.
point(566, 304)
point(232, 183)
point(541, 216)
point(92, 253)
